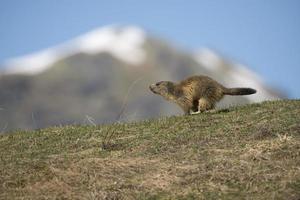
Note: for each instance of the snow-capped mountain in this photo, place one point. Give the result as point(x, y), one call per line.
point(94, 75)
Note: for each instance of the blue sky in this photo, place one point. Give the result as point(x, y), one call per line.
point(262, 34)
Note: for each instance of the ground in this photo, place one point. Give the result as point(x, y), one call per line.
point(247, 152)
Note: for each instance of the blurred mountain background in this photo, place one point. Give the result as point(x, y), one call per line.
point(91, 62)
point(103, 76)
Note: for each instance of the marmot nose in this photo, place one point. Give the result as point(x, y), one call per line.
point(151, 87)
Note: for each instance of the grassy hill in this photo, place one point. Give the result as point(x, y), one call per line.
point(248, 152)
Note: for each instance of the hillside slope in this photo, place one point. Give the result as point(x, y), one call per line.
point(243, 152)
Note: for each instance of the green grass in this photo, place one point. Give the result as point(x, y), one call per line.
point(248, 152)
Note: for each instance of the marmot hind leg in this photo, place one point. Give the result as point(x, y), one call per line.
point(205, 105)
point(195, 107)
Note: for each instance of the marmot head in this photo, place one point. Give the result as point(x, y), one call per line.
point(164, 89)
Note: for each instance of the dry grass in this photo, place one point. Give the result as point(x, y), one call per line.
point(250, 152)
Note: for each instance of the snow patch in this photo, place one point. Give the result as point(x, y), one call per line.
point(208, 59)
point(125, 44)
point(30, 64)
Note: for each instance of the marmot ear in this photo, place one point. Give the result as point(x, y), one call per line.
point(158, 83)
point(170, 88)
point(178, 92)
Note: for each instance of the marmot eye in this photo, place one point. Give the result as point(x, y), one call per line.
point(157, 84)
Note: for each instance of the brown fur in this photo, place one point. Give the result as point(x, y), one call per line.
point(196, 93)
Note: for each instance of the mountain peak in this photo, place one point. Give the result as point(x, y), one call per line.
point(124, 43)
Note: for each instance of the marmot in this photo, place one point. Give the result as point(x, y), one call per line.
point(196, 93)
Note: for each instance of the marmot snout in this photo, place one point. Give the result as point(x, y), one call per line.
point(196, 93)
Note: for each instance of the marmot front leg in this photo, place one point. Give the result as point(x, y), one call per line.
point(205, 105)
